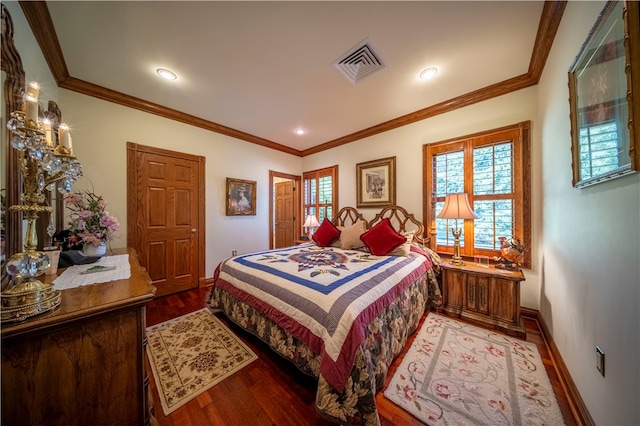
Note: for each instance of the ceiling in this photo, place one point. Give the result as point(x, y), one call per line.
point(260, 70)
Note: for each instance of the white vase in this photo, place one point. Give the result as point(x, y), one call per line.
point(91, 250)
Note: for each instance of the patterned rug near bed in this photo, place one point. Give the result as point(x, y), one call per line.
point(458, 374)
point(192, 353)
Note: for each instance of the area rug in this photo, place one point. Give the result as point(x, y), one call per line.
point(192, 353)
point(459, 374)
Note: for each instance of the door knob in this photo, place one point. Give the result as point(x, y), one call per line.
point(194, 230)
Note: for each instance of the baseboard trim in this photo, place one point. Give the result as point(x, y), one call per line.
point(578, 407)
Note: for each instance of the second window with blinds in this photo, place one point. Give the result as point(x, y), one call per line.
point(320, 193)
point(493, 169)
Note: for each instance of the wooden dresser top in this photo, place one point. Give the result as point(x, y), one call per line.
point(81, 303)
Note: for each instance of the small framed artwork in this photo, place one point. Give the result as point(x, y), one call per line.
point(604, 109)
point(376, 182)
point(241, 197)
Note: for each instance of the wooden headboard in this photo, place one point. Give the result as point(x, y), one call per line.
point(347, 216)
point(401, 220)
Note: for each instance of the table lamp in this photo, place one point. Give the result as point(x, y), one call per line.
point(311, 223)
point(456, 206)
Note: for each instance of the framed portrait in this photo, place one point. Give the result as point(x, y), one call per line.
point(376, 182)
point(241, 197)
point(603, 113)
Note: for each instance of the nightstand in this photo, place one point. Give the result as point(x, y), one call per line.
point(487, 296)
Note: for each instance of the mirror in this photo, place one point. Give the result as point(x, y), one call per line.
point(603, 114)
point(13, 79)
point(13, 84)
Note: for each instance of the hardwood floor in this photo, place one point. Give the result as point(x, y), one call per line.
point(271, 391)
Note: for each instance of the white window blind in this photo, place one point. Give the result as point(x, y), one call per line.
point(599, 150)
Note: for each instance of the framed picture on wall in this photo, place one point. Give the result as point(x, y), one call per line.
point(241, 197)
point(602, 82)
point(376, 182)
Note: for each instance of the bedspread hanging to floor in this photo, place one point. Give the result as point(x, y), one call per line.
point(356, 329)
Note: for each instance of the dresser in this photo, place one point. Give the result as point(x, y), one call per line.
point(84, 362)
point(485, 295)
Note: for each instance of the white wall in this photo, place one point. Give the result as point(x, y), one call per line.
point(97, 124)
point(407, 142)
point(586, 258)
point(591, 249)
point(101, 131)
point(33, 62)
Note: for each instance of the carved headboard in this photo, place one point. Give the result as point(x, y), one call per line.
point(347, 216)
point(401, 220)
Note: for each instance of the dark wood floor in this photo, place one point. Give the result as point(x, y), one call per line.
point(271, 391)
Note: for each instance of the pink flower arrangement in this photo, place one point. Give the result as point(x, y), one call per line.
point(89, 222)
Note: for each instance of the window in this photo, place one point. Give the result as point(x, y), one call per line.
point(320, 193)
point(600, 150)
point(493, 168)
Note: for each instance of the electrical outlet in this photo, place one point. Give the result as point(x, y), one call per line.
point(234, 252)
point(600, 360)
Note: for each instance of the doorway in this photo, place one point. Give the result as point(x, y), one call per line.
point(165, 216)
point(284, 209)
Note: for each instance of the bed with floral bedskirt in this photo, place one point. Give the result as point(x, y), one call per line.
point(341, 316)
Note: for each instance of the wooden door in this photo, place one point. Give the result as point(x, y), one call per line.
point(285, 214)
point(169, 227)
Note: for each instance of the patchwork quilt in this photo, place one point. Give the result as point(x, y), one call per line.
point(324, 296)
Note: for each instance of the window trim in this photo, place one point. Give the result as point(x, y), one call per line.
point(521, 135)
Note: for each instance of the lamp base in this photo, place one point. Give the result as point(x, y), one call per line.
point(25, 295)
point(457, 262)
point(457, 259)
point(27, 299)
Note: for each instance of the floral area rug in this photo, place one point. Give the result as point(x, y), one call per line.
point(192, 353)
point(458, 374)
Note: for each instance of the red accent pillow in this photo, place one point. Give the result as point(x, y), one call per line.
point(382, 239)
point(326, 233)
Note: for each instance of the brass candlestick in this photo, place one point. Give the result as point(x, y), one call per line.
point(42, 167)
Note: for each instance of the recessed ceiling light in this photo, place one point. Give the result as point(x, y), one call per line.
point(428, 73)
point(166, 74)
point(301, 131)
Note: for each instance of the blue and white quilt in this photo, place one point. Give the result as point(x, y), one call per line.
point(324, 296)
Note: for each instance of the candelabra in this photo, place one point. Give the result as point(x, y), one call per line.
point(43, 166)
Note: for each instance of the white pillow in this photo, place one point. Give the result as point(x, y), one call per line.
point(350, 236)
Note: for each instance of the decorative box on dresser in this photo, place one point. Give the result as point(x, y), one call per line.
point(84, 362)
point(486, 295)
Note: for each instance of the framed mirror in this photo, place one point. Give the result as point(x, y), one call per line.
point(13, 84)
point(603, 105)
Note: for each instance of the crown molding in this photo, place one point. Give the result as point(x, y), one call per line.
point(39, 18)
point(37, 14)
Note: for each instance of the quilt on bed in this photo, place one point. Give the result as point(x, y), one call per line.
point(386, 336)
point(325, 297)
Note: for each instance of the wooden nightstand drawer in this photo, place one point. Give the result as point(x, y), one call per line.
point(488, 296)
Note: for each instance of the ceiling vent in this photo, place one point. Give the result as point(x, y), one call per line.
point(359, 62)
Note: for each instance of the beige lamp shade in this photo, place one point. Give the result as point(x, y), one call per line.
point(456, 206)
point(311, 221)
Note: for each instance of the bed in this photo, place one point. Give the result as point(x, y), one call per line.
point(340, 313)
